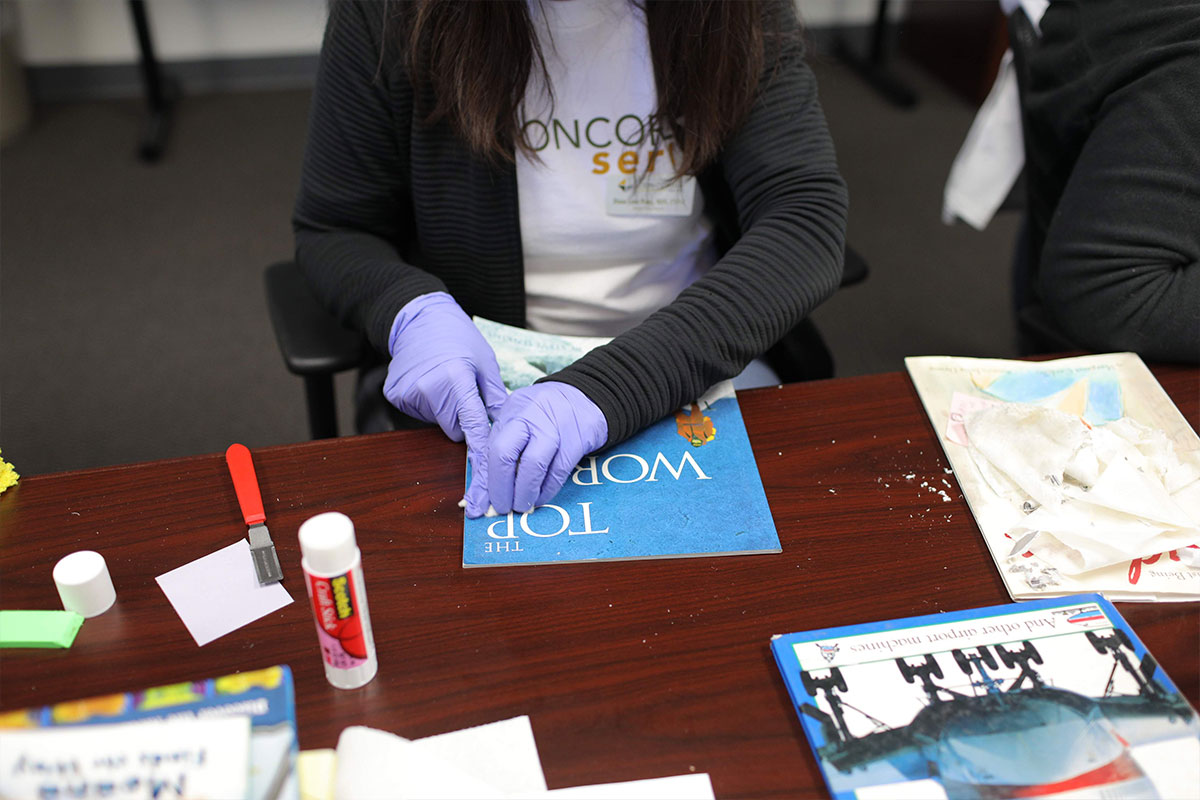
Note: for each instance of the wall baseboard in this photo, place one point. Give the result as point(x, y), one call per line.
point(54, 84)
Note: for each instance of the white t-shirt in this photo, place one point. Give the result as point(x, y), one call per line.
point(594, 264)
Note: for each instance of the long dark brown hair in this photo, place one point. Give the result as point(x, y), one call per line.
point(477, 56)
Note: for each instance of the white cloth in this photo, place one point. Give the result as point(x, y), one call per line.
point(991, 158)
point(993, 154)
point(1033, 9)
point(588, 272)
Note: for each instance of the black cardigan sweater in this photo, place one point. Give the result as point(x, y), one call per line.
point(391, 208)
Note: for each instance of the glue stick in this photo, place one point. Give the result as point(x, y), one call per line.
point(333, 573)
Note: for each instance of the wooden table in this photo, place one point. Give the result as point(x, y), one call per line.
point(627, 670)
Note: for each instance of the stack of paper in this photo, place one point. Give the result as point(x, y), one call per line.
point(489, 762)
point(1081, 473)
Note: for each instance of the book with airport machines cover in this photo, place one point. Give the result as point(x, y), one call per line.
point(1048, 698)
point(686, 486)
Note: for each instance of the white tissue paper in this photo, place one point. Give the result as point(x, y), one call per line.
point(497, 761)
point(1092, 496)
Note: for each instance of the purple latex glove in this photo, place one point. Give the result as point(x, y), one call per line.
point(539, 436)
point(443, 371)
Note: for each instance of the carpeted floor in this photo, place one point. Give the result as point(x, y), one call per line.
point(132, 319)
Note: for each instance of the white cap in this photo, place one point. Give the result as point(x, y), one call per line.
point(84, 583)
point(327, 543)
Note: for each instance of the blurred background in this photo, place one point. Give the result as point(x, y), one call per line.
point(141, 200)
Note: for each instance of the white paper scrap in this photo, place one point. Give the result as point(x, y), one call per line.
point(1076, 539)
point(218, 593)
point(1029, 444)
point(497, 761)
point(1098, 495)
point(961, 406)
point(695, 786)
point(921, 789)
point(503, 753)
point(488, 762)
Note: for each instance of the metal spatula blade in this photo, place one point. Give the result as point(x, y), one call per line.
point(266, 561)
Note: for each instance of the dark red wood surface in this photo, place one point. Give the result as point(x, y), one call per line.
point(627, 670)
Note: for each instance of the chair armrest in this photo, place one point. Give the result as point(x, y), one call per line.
point(312, 341)
point(854, 269)
point(1037, 333)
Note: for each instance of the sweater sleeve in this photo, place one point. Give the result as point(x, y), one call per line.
point(353, 213)
point(1120, 268)
point(791, 203)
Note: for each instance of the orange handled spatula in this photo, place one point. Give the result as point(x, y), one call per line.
point(245, 484)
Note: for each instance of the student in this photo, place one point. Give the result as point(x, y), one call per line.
point(468, 158)
point(1112, 138)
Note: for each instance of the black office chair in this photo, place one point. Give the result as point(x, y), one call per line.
point(314, 344)
point(316, 347)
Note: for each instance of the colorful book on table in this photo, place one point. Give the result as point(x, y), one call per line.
point(686, 486)
point(1047, 698)
point(266, 696)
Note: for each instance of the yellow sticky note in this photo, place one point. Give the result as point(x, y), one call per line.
point(316, 770)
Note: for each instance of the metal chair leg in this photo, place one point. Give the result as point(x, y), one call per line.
point(322, 413)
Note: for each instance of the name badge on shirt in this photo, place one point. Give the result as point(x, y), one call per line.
point(649, 196)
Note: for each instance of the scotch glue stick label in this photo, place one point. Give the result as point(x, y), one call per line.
point(339, 626)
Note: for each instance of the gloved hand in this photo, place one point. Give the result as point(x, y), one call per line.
point(539, 436)
point(443, 371)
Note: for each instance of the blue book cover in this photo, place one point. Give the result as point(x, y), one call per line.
point(686, 486)
point(1048, 698)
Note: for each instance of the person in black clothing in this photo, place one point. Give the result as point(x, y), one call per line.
point(1111, 108)
point(469, 158)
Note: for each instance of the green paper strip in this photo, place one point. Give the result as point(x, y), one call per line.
point(38, 628)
